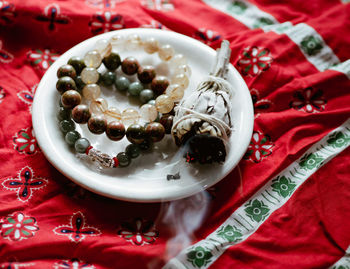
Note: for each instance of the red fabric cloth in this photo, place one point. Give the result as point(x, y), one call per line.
point(295, 104)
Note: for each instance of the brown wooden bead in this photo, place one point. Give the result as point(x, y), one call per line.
point(66, 70)
point(115, 130)
point(167, 121)
point(81, 114)
point(130, 65)
point(146, 74)
point(97, 124)
point(155, 131)
point(70, 99)
point(159, 84)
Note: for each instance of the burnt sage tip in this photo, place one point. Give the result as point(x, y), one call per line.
point(205, 149)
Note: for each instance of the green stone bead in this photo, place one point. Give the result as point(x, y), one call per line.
point(122, 83)
point(132, 150)
point(146, 95)
point(77, 63)
point(71, 137)
point(152, 102)
point(135, 88)
point(65, 84)
point(124, 159)
point(63, 114)
point(112, 61)
point(81, 145)
point(108, 78)
point(67, 125)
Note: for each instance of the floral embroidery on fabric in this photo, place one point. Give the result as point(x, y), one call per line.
point(25, 142)
point(199, 256)
point(52, 15)
point(25, 184)
point(161, 5)
point(311, 45)
point(154, 25)
point(103, 22)
point(77, 229)
point(138, 231)
point(2, 94)
point(28, 96)
point(284, 186)
point(73, 264)
point(230, 233)
point(338, 140)
point(18, 226)
point(260, 105)
point(254, 60)
point(5, 56)
point(310, 161)
point(207, 36)
point(237, 7)
point(7, 12)
point(256, 210)
point(103, 3)
point(259, 148)
point(309, 100)
point(42, 59)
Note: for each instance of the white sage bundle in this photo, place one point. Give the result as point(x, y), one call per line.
point(203, 120)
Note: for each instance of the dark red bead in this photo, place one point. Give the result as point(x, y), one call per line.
point(146, 74)
point(81, 114)
point(159, 85)
point(66, 70)
point(70, 99)
point(155, 131)
point(130, 65)
point(167, 121)
point(64, 84)
point(97, 124)
point(115, 130)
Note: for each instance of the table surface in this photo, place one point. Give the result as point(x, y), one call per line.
point(286, 204)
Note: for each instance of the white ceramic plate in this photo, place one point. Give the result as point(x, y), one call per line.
point(145, 180)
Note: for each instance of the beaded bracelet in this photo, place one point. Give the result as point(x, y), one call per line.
point(82, 75)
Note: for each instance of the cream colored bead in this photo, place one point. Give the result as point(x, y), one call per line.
point(166, 52)
point(117, 42)
point(180, 79)
point(104, 47)
point(175, 92)
point(98, 106)
point(89, 75)
point(93, 59)
point(133, 42)
point(151, 45)
point(183, 69)
point(148, 112)
point(130, 116)
point(164, 103)
point(91, 91)
point(178, 60)
point(112, 114)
